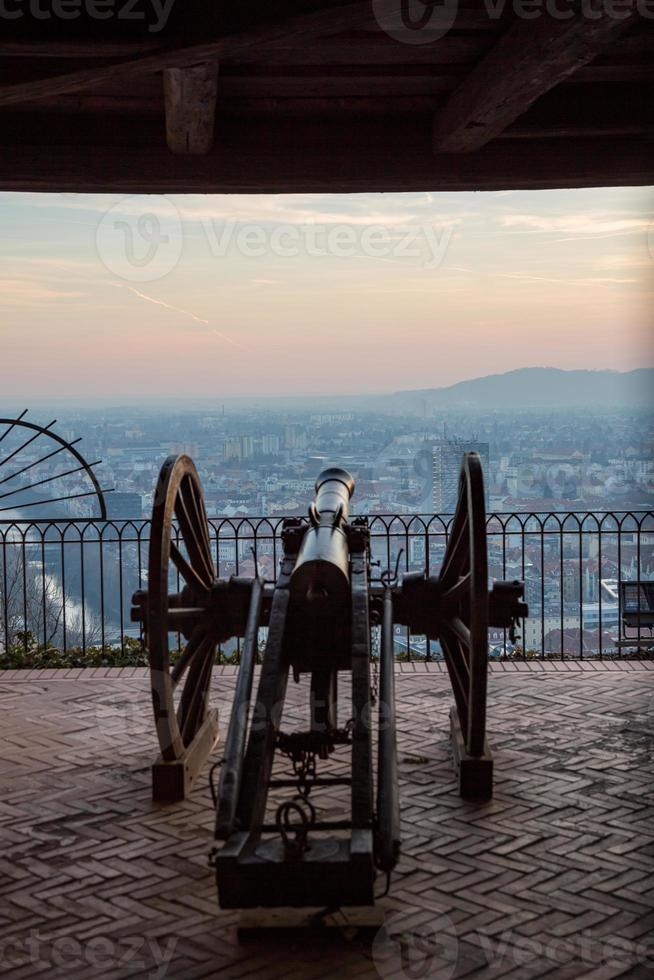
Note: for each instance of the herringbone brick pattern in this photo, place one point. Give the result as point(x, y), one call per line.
point(551, 879)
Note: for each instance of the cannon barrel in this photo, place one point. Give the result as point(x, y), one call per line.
point(321, 574)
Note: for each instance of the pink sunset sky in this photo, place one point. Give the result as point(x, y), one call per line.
point(216, 296)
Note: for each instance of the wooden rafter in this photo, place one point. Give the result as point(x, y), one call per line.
point(290, 31)
point(190, 101)
point(530, 59)
point(329, 100)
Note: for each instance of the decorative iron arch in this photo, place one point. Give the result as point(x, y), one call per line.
point(8, 496)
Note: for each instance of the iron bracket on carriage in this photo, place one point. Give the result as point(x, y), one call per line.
point(327, 620)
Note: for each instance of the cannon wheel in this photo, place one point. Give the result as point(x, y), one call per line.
point(180, 722)
point(464, 588)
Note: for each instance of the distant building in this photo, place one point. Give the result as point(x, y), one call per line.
point(191, 449)
point(294, 437)
point(232, 448)
point(137, 452)
point(331, 419)
point(124, 506)
point(446, 467)
point(238, 447)
point(270, 445)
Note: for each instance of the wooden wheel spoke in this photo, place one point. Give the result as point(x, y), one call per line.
point(193, 539)
point(194, 643)
point(458, 670)
point(457, 555)
point(198, 509)
point(190, 684)
point(193, 534)
point(460, 512)
point(198, 512)
point(462, 633)
point(460, 590)
point(462, 658)
point(186, 570)
point(193, 702)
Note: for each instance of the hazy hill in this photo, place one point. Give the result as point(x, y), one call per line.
point(539, 388)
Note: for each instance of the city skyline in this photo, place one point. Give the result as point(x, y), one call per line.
point(202, 296)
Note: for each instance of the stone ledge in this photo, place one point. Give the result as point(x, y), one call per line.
point(411, 668)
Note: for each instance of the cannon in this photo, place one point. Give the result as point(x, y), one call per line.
point(320, 617)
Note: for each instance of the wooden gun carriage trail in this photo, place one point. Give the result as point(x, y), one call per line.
point(321, 617)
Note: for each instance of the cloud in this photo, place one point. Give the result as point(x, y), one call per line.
point(355, 209)
point(626, 260)
point(30, 293)
point(46, 263)
point(581, 281)
point(583, 223)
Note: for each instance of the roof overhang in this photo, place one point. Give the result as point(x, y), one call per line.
point(329, 97)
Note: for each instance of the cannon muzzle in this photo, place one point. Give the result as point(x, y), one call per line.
point(321, 574)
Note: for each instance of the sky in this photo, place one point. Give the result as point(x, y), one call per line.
point(125, 298)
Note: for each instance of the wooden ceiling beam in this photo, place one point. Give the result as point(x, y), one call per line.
point(114, 122)
point(289, 162)
point(76, 49)
point(292, 30)
point(530, 59)
point(190, 96)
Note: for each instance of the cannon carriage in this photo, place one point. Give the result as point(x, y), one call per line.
point(320, 615)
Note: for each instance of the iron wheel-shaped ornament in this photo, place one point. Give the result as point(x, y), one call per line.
point(37, 460)
point(180, 691)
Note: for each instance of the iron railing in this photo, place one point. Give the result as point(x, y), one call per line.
point(68, 584)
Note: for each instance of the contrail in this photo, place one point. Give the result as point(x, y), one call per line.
point(177, 309)
point(167, 306)
point(579, 281)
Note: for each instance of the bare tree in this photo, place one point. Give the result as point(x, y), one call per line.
point(32, 602)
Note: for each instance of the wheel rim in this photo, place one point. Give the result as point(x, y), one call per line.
point(464, 583)
point(179, 499)
point(19, 434)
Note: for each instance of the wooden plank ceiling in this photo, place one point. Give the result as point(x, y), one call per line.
point(318, 96)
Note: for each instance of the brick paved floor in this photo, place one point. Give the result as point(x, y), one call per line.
point(551, 879)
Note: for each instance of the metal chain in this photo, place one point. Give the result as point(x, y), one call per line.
point(304, 768)
point(302, 748)
point(375, 650)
